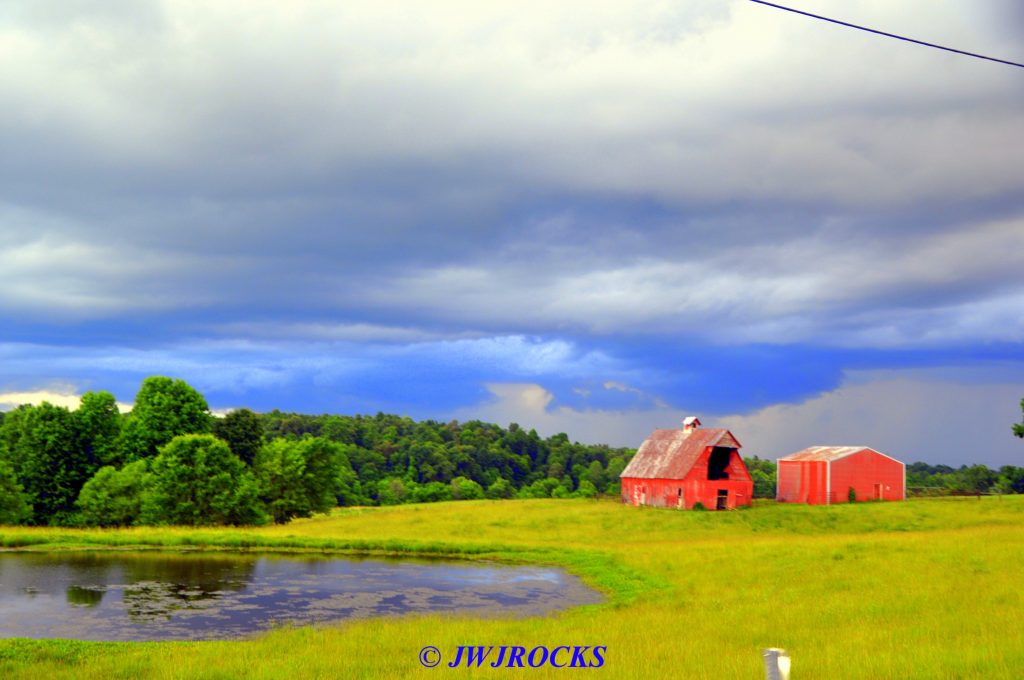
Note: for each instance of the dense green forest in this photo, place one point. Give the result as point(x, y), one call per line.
point(170, 461)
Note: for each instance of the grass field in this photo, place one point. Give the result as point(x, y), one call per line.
point(920, 589)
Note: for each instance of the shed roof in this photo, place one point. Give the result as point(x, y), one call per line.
point(829, 453)
point(670, 454)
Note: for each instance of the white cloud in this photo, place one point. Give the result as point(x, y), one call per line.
point(617, 386)
point(529, 397)
point(950, 416)
point(928, 415)
point(65, 396)
point(704, 101)
point(528, 404)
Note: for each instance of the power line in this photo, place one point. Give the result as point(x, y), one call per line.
point(888, 35)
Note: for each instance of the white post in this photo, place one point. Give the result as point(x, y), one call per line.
point(776, 664)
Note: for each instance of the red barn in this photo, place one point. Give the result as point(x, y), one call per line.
point(821, 475)
point(678, 468)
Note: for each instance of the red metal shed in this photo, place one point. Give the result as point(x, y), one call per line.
point(821, 475)
point(678, 468)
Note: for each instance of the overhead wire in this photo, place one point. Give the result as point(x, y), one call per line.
point(887, 34)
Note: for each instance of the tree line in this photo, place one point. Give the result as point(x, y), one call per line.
point(925, 479)
point(170, 461)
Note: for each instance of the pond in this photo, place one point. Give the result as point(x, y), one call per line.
point(205, 596)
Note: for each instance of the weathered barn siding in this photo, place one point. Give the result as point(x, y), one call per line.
point(684, 494)
point(821, 475)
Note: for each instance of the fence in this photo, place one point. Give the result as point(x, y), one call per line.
point(944, 492)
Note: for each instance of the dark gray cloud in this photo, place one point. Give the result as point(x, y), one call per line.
point(405, 173)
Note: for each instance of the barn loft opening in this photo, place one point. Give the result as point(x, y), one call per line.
point(718, 463)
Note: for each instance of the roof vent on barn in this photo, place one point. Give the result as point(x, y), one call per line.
point(690, 423)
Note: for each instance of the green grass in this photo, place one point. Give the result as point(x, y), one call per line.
point(921, 589)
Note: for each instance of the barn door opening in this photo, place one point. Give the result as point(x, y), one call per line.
point(723, 500)
point(878, 492)
point(718, 463)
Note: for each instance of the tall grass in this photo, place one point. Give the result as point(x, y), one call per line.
point(921, 589)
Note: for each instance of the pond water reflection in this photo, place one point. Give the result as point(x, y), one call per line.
point(203, 595)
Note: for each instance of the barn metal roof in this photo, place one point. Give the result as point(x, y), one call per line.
point(830, 453)
point(669, 454)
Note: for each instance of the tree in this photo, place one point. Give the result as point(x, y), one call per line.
point(339, 429)
point(279, 468)
point(1011, 479)
point(298, 478)
point(243, 431)
point(114, 497)
point(350, 489)
point(432, 492)
point(542, 488)
point(500, 489)
point(196, 480)
point(586, 490)
point(466, 489)
point(11, 429)
point(1018, 429)
point(99, 426)
point(324, 464)
point(164, 409)
point(49, 462)
point(764, 485)
point(560, 491)
point(14, 507)
point(615, 468)
point(391, 491)
point(974, 479)
point(596, 475)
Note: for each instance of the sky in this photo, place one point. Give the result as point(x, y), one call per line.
point(585, 217)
